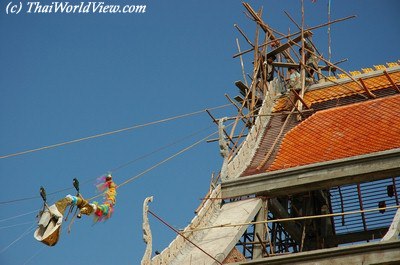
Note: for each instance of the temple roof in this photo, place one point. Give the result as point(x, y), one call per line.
point(346, 119)
point(344, 88)
point(335, 133)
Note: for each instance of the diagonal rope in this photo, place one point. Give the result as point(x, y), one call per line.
point(176, 231)
point(112, 170)
point(14, 225)
point(34, 255)
point(158, 150)
point(134, 177)
point(108, 133)
point(159, 164)
point(30, 229)
point(20, 215)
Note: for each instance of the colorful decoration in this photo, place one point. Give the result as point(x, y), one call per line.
point(104, 211)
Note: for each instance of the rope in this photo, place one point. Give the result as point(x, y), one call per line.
point(292, 219)
point(112, 170)
point(20, 215)
point(30, 229)
point(10, 226)
point(34, 197)
point(127, 181)
point(176, 231)
point(108, 133)
point(34, 255)
point(158, 164)
point(159, 149)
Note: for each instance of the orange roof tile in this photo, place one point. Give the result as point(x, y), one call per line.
point(346, 89)
point(346, 131)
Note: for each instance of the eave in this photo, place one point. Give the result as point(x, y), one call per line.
point(322, 175)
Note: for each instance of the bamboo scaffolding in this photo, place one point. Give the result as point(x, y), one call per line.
point(296, 33)
point(265, 27)
point(337, 67)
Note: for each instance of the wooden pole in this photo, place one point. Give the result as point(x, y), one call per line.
point(369, 93)
point(244, 36)
point(294, 34)
point(256, 69)
point(303, 62)
point(329, 35)
point(391, 81)
point(242, 64)
point(264, 26)
point(337, 67)
point(342, 85)
point(215, 121)
point(242, 116)
point(298, 26)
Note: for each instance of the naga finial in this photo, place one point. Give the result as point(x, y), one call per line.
point(146, 260)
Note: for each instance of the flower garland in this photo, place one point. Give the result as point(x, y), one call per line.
point(104, 211)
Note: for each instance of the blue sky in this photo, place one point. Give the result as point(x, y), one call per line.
point(68, 76)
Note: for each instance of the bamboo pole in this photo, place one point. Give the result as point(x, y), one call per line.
point(265, 27)
point(296, 33)
point(244, 36)
point(298, 26)
point(303, 60)
point(342, 85)
point(391, 81)
point(241, 115)
point(215, 121)
point(256, 61)
point(242, 64)
point(337, 67)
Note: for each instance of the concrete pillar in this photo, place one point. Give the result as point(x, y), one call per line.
point(260, 230)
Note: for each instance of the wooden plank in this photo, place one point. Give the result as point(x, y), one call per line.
point(240, 100)
point(285, 65)
point(285, 46)
point(242, 87)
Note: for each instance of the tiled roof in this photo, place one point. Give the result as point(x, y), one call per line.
point(346, 89)
point(346, 131)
